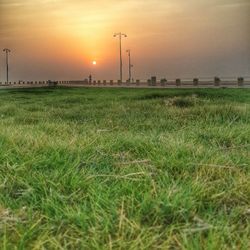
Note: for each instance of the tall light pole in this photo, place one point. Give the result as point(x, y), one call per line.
point(7, 51)
point(120, 36)
point(130, 66)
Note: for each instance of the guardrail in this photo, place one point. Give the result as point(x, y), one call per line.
point(33, 83)
point(151, 82)
point(178, 82)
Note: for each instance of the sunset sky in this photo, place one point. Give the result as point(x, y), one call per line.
point(59, 39)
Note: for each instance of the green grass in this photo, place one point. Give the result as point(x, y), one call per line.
point(124, 169)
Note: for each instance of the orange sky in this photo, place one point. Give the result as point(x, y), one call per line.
point(59, 39)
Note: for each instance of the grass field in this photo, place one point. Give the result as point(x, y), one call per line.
point(124, 169)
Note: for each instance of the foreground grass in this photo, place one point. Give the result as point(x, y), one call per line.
point(124, 169)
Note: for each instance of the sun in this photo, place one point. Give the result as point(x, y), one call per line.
point(94, 62)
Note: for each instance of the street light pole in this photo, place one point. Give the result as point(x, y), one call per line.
point(7, 51)
point(120, 36)
point(129, 64)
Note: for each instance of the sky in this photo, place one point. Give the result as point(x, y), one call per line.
point(59, 39)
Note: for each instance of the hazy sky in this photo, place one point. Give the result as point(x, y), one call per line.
point(59, 39)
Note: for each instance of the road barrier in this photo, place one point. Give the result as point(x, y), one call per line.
point(217, 81)
point(240, 81)
point(178, 82)
point(196, 81)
